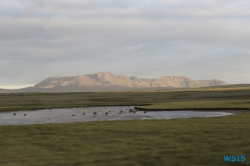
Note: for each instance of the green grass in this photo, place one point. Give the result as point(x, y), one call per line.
point(179, 142)
point(200, 105)
point(182, 142)
point(34, 101)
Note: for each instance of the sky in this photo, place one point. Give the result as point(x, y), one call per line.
point(146, 38)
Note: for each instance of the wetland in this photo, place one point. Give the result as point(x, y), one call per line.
point(175, 142)
point(67, 115)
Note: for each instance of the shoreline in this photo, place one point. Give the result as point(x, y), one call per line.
point(228, 111)
point(138, 108)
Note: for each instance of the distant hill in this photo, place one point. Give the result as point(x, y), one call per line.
point(105, 81)
point(4, 90)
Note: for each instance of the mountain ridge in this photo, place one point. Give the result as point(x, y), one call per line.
point(106, 81)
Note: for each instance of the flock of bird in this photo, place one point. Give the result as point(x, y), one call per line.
point(106, 113)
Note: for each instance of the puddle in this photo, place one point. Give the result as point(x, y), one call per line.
point(67, 115)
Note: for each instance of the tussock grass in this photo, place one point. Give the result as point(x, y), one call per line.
point(33, 101)
point(200, 105)
point(180, 142)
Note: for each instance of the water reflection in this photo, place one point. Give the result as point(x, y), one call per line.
point(95, 114)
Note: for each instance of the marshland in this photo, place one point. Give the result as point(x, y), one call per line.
point(191, 141)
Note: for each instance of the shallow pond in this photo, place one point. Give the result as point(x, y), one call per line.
point(94, 114)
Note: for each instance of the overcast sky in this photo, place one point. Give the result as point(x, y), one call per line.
point(148, 38)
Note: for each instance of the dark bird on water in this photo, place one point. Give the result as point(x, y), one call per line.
point(14, 114)
point(94, 113)
point(73, 115)
point(106, 113)
point(24, 114)
point(83, 113)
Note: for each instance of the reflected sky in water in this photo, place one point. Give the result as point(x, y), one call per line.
point(95, 114)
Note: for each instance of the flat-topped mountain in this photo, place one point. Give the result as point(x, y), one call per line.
point(105, 81)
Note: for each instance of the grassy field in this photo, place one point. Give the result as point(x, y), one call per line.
point(200, 105)
point(230, 97)
point(183, 142)
point(179, 142)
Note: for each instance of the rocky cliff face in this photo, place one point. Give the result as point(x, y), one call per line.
point(108, 81)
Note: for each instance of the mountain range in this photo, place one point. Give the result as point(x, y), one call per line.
point(105, 81)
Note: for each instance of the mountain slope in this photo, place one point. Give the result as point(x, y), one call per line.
point(105, 81)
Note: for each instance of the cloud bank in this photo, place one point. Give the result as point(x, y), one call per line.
point(201, 40)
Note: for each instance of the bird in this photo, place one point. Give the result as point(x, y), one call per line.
point(106, 113)
point(83, 113)
point(94, 113)
point(14, 114)
point(24, 114)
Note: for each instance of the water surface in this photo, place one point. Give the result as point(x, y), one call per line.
point(94, 114)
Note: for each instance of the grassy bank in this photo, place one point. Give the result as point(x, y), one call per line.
point(183, 142)
point(200, 105)
point(169, 99)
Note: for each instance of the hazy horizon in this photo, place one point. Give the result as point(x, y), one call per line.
point(201, 40)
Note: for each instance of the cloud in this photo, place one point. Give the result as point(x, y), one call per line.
point(140, 37)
